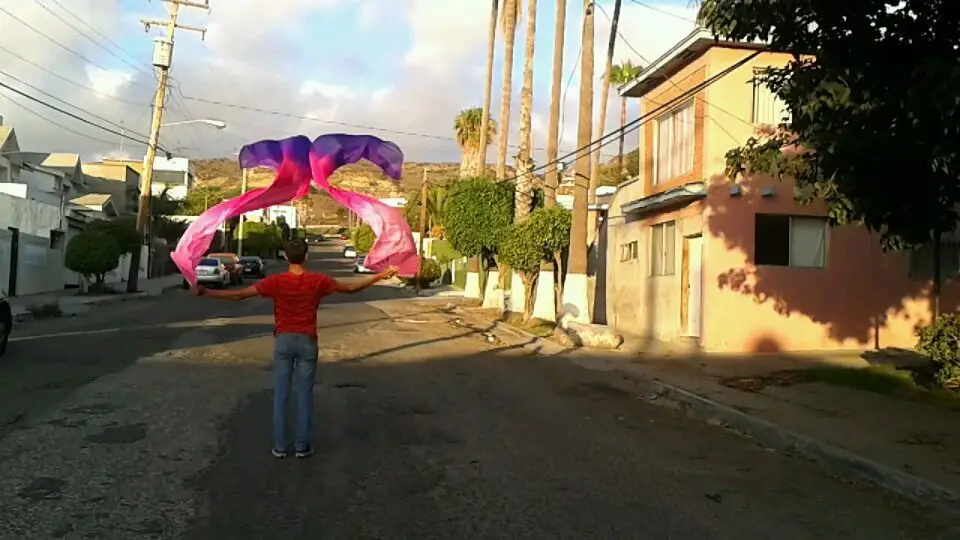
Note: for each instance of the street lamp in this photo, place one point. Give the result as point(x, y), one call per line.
point(218, 124)
point(243, 189)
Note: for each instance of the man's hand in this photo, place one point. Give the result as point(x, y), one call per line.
point(387, 274)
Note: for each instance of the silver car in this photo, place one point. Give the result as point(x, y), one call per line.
point(6, 322)
point(212, 272)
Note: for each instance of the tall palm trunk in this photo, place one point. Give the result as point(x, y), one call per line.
point(488, 86)
point(623, 122)
point(553, 136)
point(509, 38)
point(601, 122)
point(523, 200)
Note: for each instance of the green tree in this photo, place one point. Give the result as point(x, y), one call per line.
point(477, 216)
point(260, 239)
point(878, 148)
point(521, 250)
point(92, 254)
point(363, 238)
point(200, 198)
point(123, 230)
point(551, 228)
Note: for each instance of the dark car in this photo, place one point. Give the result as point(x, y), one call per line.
point(252, 266)
point(315, 239)
point(6, 322)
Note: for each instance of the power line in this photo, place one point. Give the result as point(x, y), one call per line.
point(84, 34)
point(643, 119)
point(663, 11)
point(55, 42)
point(53, 122)
point(70, 114)
point(69, 80)
point(95, 31)
point(322, 121)
point(67, 103)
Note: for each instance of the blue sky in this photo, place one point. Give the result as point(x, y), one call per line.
point(399, 65)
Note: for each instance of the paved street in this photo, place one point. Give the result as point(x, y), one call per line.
point(150, 419)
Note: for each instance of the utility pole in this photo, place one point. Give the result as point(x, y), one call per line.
point(243, 189)
point(423, 227)
point(162, 59)
point(488, 86)
point(575, 298)
point(601, 125)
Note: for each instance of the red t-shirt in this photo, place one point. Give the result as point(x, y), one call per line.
point(296, 298)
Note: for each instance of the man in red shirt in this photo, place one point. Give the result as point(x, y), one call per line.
point(296, 295)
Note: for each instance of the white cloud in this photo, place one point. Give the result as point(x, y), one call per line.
point(254, 58)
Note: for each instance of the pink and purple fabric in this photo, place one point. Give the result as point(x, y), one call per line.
point(298, 162)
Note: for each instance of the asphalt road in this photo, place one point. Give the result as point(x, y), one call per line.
point(150, 419)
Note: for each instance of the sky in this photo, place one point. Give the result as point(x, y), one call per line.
point(398, 69)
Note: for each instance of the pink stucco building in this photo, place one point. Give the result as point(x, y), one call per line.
point(742, 267)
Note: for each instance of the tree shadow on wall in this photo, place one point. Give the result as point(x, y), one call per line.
point(853, 296)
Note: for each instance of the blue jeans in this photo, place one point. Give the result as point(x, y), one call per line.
point(295, 357)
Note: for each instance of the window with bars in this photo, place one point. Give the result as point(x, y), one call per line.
point(663, 248)
point(767, 108)
point(628, 251)
point(674, 140)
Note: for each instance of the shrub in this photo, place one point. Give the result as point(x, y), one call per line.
point(260, 239)
point(444, 252)
point(363, 238)
point(92, 254)
point(123, 230)
point(940, 341)
point(523, 251)
point(429, 270)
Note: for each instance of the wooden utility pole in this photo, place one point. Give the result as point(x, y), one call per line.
point(488, 86)
point(601, 123)
point(245, 173)
point(423, 228)
point(575, 287)
point(553, 135)
point(162, 59)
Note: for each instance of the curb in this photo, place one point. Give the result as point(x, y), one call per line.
point(27, 316)
point(835, 460)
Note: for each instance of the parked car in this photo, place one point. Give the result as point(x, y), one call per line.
point(349, 252)
point(213, 273)
point(232, 263)
point(315, 239)
point(358, 267)
point(6, 322)
point(252, 266)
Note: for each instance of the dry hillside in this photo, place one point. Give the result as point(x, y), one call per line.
point(361, 177)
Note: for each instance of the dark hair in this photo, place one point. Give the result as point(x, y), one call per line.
point(295, 250)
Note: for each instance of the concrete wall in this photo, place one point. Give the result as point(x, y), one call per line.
point(31, 217)
point(5, 251)
point(39, 268)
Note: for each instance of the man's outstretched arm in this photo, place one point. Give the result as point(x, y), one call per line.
point(228, 294)
point(358, 285)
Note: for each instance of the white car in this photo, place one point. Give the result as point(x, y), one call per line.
point(6, 322)
point(349, 252)
point(358, 267)
point(212, 272)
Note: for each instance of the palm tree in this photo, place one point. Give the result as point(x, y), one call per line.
point(488, 84)
point(552, 173)
point(468, 129)
point(436, 202)
point(622, 74)
point(523, 200)
point(511, 12)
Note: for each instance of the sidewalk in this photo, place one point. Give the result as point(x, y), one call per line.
point(908, 446)
point(69, 302)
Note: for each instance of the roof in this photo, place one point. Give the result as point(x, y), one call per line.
point(653, 203)
point(8, 140)
point(95, 200)
point(678, 57)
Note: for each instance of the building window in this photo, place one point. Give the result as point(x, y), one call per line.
point(628, 251)
point(790, 241)
point(768, 108)
point(663, 249)
point(674, 140)
point(56, 239)
point(922, 263)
